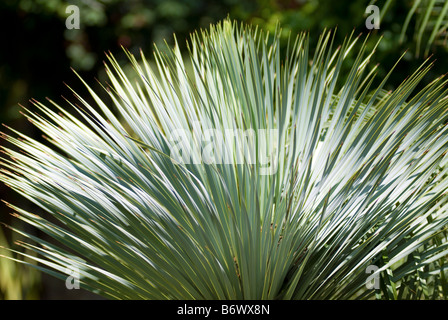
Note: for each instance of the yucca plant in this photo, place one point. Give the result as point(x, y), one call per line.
point(354, 176)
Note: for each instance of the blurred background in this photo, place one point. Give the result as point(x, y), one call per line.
point(38, 51)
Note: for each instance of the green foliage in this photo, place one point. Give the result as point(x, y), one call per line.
point(432, 21)
point(16, 281)
point(424, 26)
point(360, 178)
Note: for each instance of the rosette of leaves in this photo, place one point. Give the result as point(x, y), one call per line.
point(359, 179)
